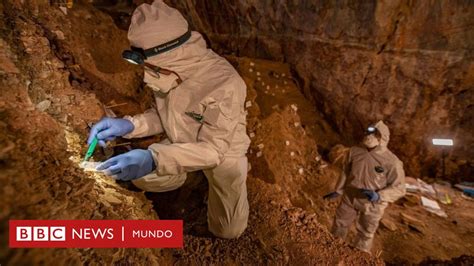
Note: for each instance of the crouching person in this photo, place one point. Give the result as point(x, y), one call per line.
point(199, 106)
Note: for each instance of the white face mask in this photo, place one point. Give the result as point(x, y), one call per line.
point(370, 141)
point(163, 83)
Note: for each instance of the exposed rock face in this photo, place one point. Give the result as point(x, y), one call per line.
point(409, 63)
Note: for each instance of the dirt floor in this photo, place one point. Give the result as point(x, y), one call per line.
point(62, 72)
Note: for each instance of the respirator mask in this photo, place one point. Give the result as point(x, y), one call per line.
point(370, 140)
point(137, 56)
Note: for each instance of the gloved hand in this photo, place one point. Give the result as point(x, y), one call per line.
point(331, 195)
point(128, 166)
point(110, 128)
point(371, 195)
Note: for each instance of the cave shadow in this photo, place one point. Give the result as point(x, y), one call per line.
point(187, 203)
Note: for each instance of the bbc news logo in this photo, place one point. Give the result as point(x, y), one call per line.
point(40, 233)
point(96, 233)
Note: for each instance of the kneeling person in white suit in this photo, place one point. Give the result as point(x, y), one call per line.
point(199, 106)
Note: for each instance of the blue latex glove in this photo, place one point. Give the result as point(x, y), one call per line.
point(371, 195)
point(128, 166)
point(331, 195)
point(109, 128)
point(469, 192)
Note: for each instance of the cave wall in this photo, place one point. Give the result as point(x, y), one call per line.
point(409, 63)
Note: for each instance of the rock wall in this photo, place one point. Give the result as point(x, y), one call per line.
point(409, 63)
point(43, 123)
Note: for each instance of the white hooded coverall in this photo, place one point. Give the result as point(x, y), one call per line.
point(203, 118)
point(378, 170)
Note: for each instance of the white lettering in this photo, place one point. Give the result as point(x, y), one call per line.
point(91, 233)
point(75, 233)
point(87, 233)
point(152, 234)
point(134, 234)
point(110, 233)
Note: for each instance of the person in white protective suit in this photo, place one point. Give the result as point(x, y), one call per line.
point(372, 177)
point(199, 106)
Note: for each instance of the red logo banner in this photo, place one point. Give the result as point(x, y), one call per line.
point(96, 234)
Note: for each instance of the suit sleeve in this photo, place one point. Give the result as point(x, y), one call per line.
point(396, 184)
point(220, 120)
point(146, 124)
point(341, 182)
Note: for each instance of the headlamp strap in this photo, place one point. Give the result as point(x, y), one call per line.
point(168, 45)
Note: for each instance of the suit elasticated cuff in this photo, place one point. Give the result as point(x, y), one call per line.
point(131, 134)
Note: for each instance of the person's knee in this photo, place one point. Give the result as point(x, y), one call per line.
point(367, 225)
point(339, 230)
point(223, 227)
point(155, 183)
point(229, 231)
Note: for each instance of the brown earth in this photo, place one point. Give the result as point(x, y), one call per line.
point(81, 73)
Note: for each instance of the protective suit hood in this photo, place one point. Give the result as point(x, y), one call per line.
point(384, 132)
point(159, 23)
point(155, 24)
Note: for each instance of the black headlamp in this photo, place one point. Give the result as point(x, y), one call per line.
point(137, 56)
point(134, 56)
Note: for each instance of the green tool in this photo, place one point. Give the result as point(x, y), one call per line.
point(91, 149)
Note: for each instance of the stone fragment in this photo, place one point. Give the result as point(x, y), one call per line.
point(248, 104)
point(259, 154)
point(89, 166)
point(59, 34)
point(294, 107)
point(413, 223)
point(63, 9)
point(387, 223)
point(43, 105)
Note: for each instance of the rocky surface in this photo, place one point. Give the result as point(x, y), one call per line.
point(42, 140)
point(407, 62)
